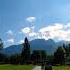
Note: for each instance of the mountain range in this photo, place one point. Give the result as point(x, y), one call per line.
point(49, 46)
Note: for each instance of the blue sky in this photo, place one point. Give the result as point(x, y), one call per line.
point(13, 15)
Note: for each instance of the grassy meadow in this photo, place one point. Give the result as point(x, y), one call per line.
point(16, 67)
point(29, 67)
point(61, 67)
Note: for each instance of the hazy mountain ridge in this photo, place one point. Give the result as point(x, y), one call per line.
point(42, 44)
point(38, 44)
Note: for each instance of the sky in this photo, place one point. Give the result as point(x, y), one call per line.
point(35, 19)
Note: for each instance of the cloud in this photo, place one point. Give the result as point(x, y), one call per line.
point(26, 30)
point(33, 34)
point(67, 26)
point(11, 41)
point(54, 27)
point(29, 32)
point(55, 31)
point(50, 31)
point(21, 41)
point(10, 36)
point(10, 32)
point(31, 19)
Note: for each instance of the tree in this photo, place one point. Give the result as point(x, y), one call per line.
point(38, 56)
point(14, 59)
point(1, 44)
point(59, 56)
point(67, 59)
point(67, 49)
point(25, 55)
point(2, 56)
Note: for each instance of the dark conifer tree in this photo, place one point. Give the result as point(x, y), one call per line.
point(2, 56)
point(25, 55)
point(1, 44)
point(59, 56)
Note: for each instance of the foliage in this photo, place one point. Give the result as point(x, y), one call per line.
point(59, 56)
point(38, 56)
point(1, 44)
point(2, 56)
point(25, 55)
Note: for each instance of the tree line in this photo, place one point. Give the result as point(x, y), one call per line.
point(61, 56)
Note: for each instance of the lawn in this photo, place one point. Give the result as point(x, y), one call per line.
point(16, 67)
point(61, 67)
point(29, 67)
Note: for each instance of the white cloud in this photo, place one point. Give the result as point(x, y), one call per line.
point(26, 30)
point(10, 36)
point(55, 31)
point(10, 32)
point(67, 25)
point(31, 19)
point(33, 34)
point(21, 41)
point(54, 27)
point(32, 27)
point(11, 41)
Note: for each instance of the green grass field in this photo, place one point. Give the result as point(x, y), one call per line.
point(29, 67)
point(16, 67)
point(61, 67)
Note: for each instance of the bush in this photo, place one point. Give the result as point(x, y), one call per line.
point(48, 67)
